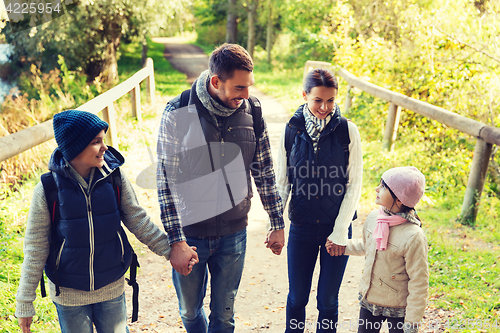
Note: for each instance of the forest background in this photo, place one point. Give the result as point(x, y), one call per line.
point(443, 52)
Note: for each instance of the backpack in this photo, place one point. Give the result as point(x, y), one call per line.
point(254, 104)
point(51, 195)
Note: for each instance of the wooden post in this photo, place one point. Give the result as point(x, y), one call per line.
point(391, 126)
point(135, 96)
point(348, 100)
point(109, 116)
point(150, 82)
point(475, 184)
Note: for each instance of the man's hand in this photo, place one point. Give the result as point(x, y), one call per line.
point(334, 249)
point(192, 262)
point(275, 241)
point(182, 256)
point(25, 324)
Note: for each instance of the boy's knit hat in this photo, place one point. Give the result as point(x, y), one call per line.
point(74, 130)
point(407, 183)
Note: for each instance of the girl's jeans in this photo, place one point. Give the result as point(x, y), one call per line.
point(369, 323)
point(304, 243)
point(108, 317)
point(224, 258)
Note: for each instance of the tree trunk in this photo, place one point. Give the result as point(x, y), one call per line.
point(109, 69)
point(144, 54)
point(269, 37)
point(252, 14)
point(106, 69)
point(232, 22)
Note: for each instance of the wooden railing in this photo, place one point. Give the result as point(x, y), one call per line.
point(16, 143)
point(486, 135)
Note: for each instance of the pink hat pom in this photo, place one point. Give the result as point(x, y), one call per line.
point(407, 183)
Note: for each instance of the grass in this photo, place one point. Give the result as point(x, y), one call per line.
point(464, 262)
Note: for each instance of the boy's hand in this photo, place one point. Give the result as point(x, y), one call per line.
point(25, 324)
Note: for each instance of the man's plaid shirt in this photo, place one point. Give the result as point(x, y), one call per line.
point(262, 172)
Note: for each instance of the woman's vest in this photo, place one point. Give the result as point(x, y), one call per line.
point(88, 247)
point(318, 179)
point(237, 136)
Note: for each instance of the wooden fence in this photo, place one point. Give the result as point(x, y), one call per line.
point(16, 143)
point(486, 135)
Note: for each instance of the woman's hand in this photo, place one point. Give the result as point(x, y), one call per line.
point(334, 249)
point(25, 324)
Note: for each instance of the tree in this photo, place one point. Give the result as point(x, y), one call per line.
point(269, 34)
point(88, 37)
point(252, 13)
point(232, 22)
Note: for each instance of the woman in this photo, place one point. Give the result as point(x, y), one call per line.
point(320, 163)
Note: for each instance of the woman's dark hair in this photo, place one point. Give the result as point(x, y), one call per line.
point(320, 77)
point(227, 58)
point(404, 209)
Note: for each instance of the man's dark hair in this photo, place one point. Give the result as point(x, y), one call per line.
point(227, 58)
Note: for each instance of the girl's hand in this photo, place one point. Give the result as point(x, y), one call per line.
point(25, 324)
point(334, 249)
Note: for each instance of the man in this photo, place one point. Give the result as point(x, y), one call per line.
point(187, 185)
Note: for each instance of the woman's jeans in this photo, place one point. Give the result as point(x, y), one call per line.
point(108, 317)
point(224, 258)
point(304, 243)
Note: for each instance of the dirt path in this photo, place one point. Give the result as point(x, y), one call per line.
point(261, 300)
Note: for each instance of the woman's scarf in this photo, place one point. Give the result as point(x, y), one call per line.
point(314, 125)
point(385, 220)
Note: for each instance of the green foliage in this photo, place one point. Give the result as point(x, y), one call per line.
point(13, 211)
point(464, 281)
point(89, 36)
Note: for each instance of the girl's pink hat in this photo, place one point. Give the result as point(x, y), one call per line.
point(407, 183)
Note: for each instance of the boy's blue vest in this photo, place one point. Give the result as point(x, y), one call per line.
point(318, 179)
point(88, 248)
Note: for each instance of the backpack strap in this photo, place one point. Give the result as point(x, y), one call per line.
point(343, 137)
point(135, 286)
point(256, 115)
point(290, 133)
point(116, 182)
point(185, 97)
point(51, 196)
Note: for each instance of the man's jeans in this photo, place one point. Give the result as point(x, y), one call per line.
point(224, 257)
point(108, 317)
point(304, 242)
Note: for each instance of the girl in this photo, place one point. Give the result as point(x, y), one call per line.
point(85, 252)
point(320, 163)
point(395, 280)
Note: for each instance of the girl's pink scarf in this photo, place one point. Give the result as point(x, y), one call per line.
point(381, 232)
